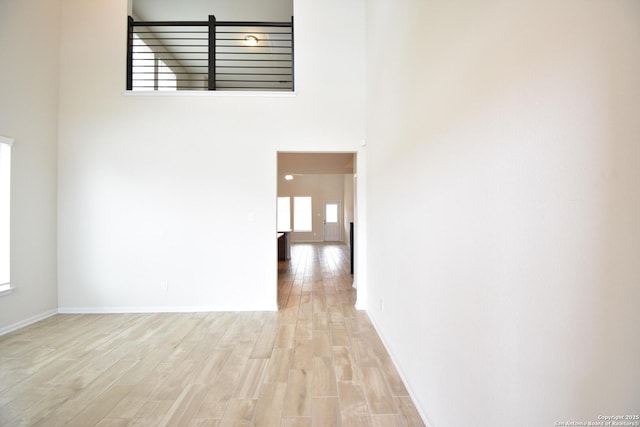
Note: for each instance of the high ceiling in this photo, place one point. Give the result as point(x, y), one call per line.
point(224, 10)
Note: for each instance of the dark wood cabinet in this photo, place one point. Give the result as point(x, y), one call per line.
point(284, 246)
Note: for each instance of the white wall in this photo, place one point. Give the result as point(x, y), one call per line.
point(182, 188)
point(503, 205)
point(29, 41)
point(236, 10)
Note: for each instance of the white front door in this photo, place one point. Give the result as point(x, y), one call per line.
point(331, 221)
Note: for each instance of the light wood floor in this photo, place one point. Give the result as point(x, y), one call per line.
point(316, 362)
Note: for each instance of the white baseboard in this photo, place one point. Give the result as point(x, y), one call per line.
point(424, 417)
point(26, 322)
point(126, 310)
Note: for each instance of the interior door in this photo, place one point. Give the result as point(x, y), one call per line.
point(331, 221)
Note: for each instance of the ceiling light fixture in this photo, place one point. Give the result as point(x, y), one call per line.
point(251, 40)
point(288, 177)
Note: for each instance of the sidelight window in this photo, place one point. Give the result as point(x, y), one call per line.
point(302, 214)
point(284, 213)
point(5, 208)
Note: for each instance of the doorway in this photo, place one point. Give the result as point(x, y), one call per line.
point(328, 181)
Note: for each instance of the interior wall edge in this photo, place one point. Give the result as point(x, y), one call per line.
point(163, 309)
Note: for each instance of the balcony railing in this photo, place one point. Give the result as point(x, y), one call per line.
point(210, 55)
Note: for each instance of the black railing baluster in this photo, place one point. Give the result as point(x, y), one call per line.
point(129, 53)
point(293, 78)
point(212, 52)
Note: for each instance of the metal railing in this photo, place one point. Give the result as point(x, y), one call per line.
point(210, 55)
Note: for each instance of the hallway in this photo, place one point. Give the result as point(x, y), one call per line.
point(353, 380)
point(316, 270)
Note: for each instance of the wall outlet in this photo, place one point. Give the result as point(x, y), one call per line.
point(164, 285)
point(381, 305)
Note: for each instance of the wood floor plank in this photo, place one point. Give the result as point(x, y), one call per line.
point(362, 354)
point(203, 422)
point(391, 376)
point(210, 369)
point(376, 391)
point(185, 406)
point(357, 421)
point(64, 413)
point(388, 420)
point(297, 422)
point(100, 407)
point(344, 363)
point(32, 407)
point(266, 340)
point(230, 373)
point(298, 397)
point(304, 329)
point(354, 403)
point(270, 404)
point(321, 344)
point(339, 336)
point(279, 366)
point(213, 405)
point(305, 311)
point(408, 411)
point(319, 303)
point(239, 413)
point(151, 413)
point(113, 422)
point(129, 407)
point(18, 410)
point(251, 379)
point(286, 336)
point(204, 348)
point(289, 313)
point(303, 355)
point(324, 377)
point(181, 377)
point(321, 320)
point(326, 412)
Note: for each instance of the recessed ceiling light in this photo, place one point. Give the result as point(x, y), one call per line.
point(288, 177)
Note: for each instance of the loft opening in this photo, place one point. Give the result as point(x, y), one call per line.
point(245, 45)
